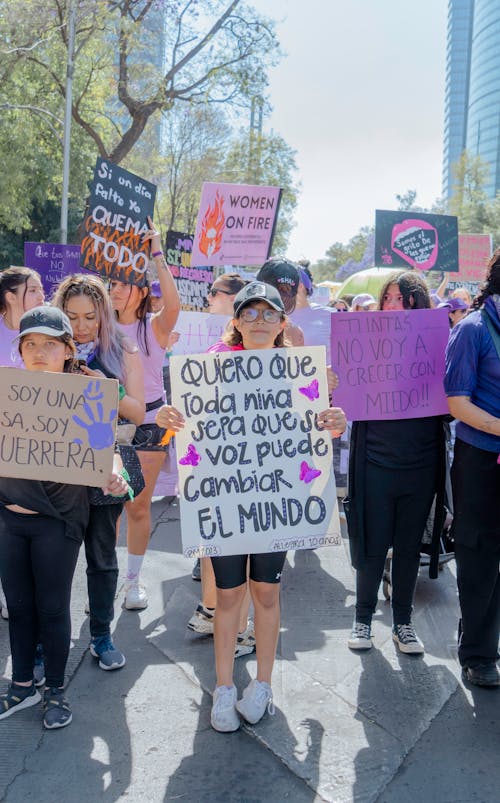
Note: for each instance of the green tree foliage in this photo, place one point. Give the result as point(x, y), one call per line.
point(339, 254)
point(476, 212)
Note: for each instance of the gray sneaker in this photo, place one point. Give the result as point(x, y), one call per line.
point(109, 657)
point(223, 716)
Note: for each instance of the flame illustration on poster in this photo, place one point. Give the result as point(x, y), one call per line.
point(416, 241)
point(212, 227)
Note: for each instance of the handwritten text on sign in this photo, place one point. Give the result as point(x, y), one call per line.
point(58, 427)
point(116, 221)
point(255, 470)
point(390, 364)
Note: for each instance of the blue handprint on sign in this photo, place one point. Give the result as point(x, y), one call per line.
point(100, 433)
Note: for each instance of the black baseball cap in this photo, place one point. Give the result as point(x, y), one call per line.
point(45, 321)
point(258, 291)
point(284, 275)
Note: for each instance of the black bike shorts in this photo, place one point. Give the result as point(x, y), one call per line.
point(231, 570)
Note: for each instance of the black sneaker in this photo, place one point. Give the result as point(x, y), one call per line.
point(16, 698)
point(482, 675)
point(57, 713)
point(407, 639)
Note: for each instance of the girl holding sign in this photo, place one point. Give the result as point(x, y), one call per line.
point(258, 322)
point(396, 467)
point(42, 525)
point(102, 350)
point(151, 332)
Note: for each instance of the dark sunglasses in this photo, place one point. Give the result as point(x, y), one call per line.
point(214, 290)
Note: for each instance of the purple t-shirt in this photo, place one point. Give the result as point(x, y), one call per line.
point(473, 370)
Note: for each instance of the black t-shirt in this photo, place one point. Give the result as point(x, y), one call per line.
point(68, 503)
point(406, 443)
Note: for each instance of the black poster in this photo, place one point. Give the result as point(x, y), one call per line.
point(416, 240)
point(192, 283)
point(116, 219)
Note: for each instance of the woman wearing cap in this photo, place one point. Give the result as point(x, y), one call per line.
point(396, 467)
point(282, 274)
point(457, 309)
point(472, 384)
point(102, 350)
point(20, 290)
point(42, 525)
point(258, 322)
point(151, 333)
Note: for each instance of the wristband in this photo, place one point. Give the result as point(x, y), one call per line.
point(121, 392)
point(157, 254)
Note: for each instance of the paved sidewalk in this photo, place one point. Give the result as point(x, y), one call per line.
point(378, 726)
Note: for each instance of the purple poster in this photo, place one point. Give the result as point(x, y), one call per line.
point(390, 364)
point(53, 262)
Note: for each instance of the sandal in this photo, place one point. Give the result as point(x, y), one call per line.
point(57, 713)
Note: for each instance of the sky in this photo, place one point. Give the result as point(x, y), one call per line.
point(359, 94)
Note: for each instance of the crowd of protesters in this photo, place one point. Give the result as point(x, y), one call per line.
point(397, 475)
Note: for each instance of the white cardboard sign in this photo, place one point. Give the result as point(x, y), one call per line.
point(255, 470)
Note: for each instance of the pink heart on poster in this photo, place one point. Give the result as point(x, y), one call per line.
point(416, 241)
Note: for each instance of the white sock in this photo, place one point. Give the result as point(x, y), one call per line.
point(134, 565)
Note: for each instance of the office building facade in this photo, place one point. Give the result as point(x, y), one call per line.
point(472, 99)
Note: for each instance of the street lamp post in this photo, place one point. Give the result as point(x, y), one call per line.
point(67, 120)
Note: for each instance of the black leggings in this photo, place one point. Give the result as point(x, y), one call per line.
point(37, 563)
point(102, 566)
point(397, 504)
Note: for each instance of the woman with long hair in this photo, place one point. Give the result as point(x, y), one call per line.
point(20, 290)
point(102, 349)
point(258, 322)
point(151, 333)
point(472, 384)
point(42, 524)
point(396, 467)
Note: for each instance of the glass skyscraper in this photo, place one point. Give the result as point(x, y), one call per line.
point(472, 100)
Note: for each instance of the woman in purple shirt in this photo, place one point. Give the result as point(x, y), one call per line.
point(472, 384)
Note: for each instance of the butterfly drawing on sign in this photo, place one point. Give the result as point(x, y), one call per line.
point(191, 458)
point(308, 473)
point(311, 390)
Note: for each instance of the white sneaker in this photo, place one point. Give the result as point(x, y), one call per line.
point(361, 637)
point(202, 620)
point(257, 696)
point(135, 597)
point(245, 642)
point(407, 639)
point(224, 717)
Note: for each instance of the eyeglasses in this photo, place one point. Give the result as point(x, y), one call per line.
point(214, 290)
point(250, 314)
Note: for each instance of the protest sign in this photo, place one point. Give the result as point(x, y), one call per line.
point(115, 222)
point(235, 224)
point(192, 283)
point(474, 251)
point(315, 324)
point(416, 240)
point(255, 471)
point(58, 427)
point(53, 262)
point(390, 364)
point(197, 331)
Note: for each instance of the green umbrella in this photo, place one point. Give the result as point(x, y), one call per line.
point(365, 281)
